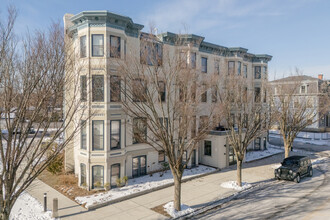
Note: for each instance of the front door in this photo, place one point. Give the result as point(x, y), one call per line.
point(139, 166)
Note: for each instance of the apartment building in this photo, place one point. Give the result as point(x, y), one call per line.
point(105, 148)
point(312, 90)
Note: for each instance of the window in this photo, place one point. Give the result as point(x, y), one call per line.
point(83, 144)
point(114, 46)
point(115, 174)
point(264, 71)
point(83, 52)
point(204, 94)
point(83, 88)
point(239, 68)
point(139, 130)
point(265, 96)
point(303, 89)
point(184, 157)
point(257, 143)
point(162, 91)
point(139, 90)
point(97, 45)
point(183, 93)
point(98, 176)
point(217, 66)
point(192, 60)
point(98, 135)
point(151, 53)
point(115, 88)
point(231, 67)
point(82, 174)
point(257, 97)
point(193, 127)
point(115, 134)
point(257, 72)
point(207, 148)
point(98, 88)
point(204, 65)
point(161, 156)
point(139, 166)
point(245, 70)
point(233, 121)
point(214, 94)
point(183, 59)
point(164, 122)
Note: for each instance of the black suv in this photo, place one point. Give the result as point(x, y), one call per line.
point(293, 168)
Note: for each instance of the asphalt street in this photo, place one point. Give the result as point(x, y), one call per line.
point(309, 199)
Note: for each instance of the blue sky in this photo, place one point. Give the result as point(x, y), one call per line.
point(295, 32)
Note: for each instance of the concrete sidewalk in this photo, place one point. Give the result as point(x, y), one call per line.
point(195, 193)
point(65, 205)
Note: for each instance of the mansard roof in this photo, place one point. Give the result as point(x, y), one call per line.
point(105, 18)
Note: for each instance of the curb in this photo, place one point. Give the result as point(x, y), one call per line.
point(96, 206)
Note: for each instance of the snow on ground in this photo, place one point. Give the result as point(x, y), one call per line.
point(140, 184)
point(316, 142)
point(319, 160)
point(169, 208)
point(254, 155)
point(275, 166)
point(233, 185)
point(307, 137)
point(27, 207)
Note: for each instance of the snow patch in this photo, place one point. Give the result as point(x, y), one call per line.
point(169, 208)
point(140, 184)
point(254, 155)
point(319, 160)
point(27, 207)
point(275, 166)
point(234, 185)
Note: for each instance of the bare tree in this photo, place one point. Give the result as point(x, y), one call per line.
point(294, 109)
point(163, 95)
point(245, 113)
point(32, 79)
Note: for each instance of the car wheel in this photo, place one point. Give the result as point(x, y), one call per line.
point(297, 179)
point(310, 173)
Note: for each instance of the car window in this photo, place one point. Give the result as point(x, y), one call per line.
point(289, 162)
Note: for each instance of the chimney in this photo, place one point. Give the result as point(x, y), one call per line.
point(320, 76)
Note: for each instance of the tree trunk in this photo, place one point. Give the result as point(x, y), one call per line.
point(5, 211)
point(239, 172)
point(177, 192)
point(287, 148)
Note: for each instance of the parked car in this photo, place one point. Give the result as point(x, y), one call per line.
point(294, 168)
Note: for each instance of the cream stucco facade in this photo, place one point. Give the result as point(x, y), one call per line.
point(90, 33)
